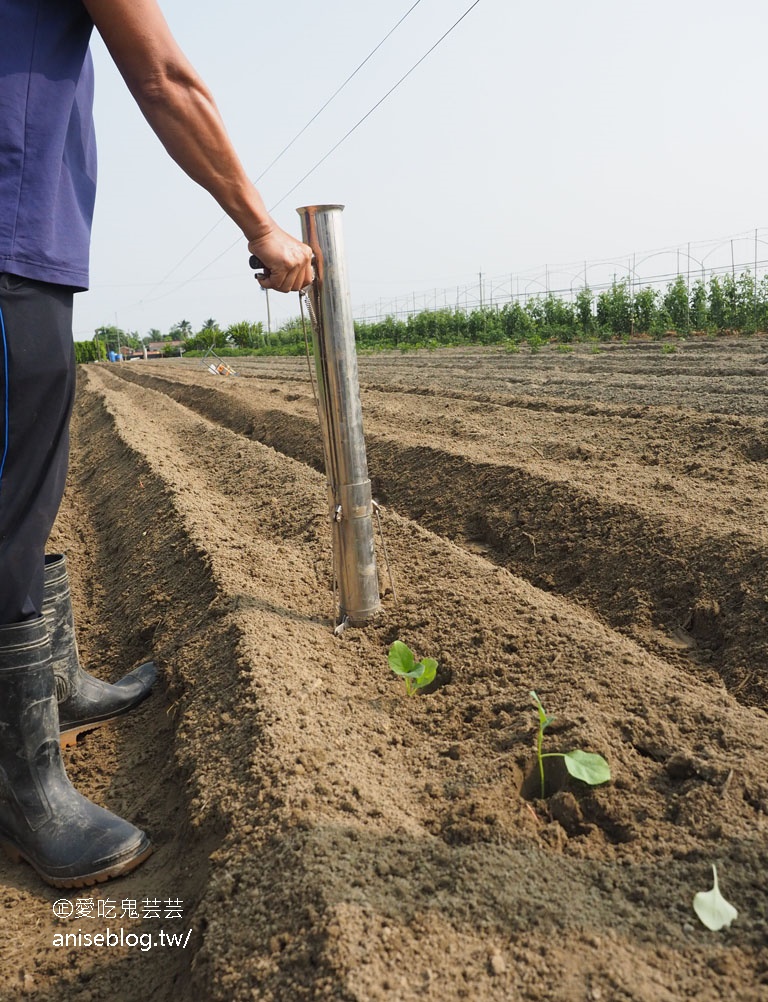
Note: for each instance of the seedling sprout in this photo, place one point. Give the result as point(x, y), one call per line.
point(415, 674)
point(589, 767)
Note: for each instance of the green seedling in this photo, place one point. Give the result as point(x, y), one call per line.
point(589, 767)
point(415, 674)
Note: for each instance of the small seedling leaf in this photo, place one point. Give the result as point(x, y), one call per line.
point(587, 766)
point(544, 719)
point(417, 674)
point(712, 909)
point(430, 670)
point(401, 659)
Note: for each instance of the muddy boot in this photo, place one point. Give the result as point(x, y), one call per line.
point(43, 819)
point(85, 702)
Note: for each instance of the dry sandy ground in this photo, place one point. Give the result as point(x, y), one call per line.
point(592, 525)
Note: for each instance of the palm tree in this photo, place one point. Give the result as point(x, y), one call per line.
point(181, 331)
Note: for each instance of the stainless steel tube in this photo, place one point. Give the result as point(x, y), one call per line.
point(341, 417)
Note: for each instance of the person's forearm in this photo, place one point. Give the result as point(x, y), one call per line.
point(178, 105)
point(182, 113)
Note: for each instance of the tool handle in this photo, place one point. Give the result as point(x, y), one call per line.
point(262, 271)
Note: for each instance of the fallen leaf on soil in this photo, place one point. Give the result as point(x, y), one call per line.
point(714, 911)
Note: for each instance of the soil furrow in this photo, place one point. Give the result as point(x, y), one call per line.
point(640, 542)
point(353, 780)
point(332, 838)
point(128, 608)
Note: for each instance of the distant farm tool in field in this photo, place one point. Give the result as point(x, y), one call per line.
point(213, 363)
point(341, 420)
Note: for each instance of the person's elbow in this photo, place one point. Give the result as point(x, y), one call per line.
point(164, 85)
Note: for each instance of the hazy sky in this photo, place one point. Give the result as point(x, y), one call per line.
point(548, 133)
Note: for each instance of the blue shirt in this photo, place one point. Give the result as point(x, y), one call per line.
point(47, 145)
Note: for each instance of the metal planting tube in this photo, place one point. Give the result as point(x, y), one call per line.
point(341, 418)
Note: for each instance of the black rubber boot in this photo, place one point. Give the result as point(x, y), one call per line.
point(43, 819)
point(85, 702)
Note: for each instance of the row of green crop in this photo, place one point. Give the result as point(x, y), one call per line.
point(723, 304)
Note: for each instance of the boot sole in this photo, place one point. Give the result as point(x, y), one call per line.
point(68, 738)
point(86, 880)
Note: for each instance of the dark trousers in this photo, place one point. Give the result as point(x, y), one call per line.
point(37, 386)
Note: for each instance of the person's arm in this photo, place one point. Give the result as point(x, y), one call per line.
point(182, 112)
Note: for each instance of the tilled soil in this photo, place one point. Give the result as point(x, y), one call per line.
point(592, 525)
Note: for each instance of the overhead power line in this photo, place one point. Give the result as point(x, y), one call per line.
point(377, 105)
point(336, 93)
point(285, 149)
point(333, 149)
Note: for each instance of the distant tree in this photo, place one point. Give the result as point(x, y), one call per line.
point(559, 318)
point(245, 334)
point(762, 304)
point(180, 331)
point(292, 331)
point(111, 336)
point(675, 302)
point(614, 309)
point(207, 337)
point(731, 298)
point(699, 310)
point(717, 304)
point(644, 308)
point(746, 298)
point(516, 321)
point(90, 351)
point(584, 314)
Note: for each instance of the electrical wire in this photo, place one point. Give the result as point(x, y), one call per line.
point(377, 105)
point(333, 149)
point(392, 306)
point(469, 293)
point(336, 92)
point(285, 149)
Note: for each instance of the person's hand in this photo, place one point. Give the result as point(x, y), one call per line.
point(287, 261)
